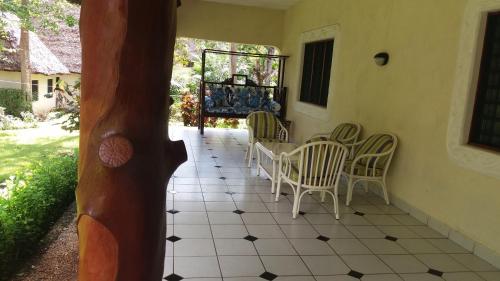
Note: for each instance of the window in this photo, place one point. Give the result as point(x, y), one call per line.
point(316, 72)
point(34, 89)
point(485, 126)
point(50, 86)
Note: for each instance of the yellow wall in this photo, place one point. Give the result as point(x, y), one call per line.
point(230, 23)
point(410, 97)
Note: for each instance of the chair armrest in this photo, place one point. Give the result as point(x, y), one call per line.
point(283, 132)
point(320, 135)
point(250, 133)
point(373, 157)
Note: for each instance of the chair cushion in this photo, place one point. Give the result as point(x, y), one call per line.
point(321, 155)
point(378, 143)
point(315, 139)
point(343, 131)
point(264, 125)
point(267, 140)
point(360, 170)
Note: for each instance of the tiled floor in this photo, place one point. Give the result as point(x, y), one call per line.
point(223, 224)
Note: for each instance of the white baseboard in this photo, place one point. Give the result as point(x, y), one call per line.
point(456, 236)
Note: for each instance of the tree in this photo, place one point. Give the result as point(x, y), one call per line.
point(24, 59)
point(126, 157)
point(234, 59)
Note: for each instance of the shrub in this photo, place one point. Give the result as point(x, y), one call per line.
point(30, 204)
point(14, 102)
point(189, 109)
point(9, 122)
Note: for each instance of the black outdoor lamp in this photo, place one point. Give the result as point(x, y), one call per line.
point(381, 58)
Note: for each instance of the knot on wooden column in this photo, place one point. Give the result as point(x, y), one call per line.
point(115, 151)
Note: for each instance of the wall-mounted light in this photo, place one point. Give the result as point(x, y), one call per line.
point(381, 59)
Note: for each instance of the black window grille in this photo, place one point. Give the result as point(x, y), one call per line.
point(50, 86)
point(316, 72)
point(34, 89)
point(485, 126)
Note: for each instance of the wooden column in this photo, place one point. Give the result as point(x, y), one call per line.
point(126, 157)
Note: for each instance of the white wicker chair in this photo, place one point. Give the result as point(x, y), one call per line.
point(263, 126)
point(315, 166)
point(345, 133)
point(372, 158)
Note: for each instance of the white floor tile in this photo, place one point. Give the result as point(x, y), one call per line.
point(366, 264)
point(274, 247)
point(234, 247)
point(240, 266)
point(325, 265)
point(311, 247)
point(285, 265)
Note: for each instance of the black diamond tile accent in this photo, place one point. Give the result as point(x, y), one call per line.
point(230, 192)
point(323, 238)
point(359, 214)
point(218, 166)
point(302, 213)
point(239, 212)
point(222, 178)
point(173, 211)
point(250, 238)
point(173, 238)
point(435, 272)
point(173, 277)
point(210, 149)
point(214, 157)
point(268, 276)
point(355, 274)
point(284, 193)
point(391, 238)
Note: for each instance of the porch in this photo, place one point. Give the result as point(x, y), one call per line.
point(223, 224)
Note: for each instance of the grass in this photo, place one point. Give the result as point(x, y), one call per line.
point(19, 148)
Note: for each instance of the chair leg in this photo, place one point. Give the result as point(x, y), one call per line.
point(295, 209)
point(336, 204)
point(278, 188)
point(323, 193)
point(384, 189)
point(250, 155)
point(366, 186)
point(246, 152)
point(350, 186)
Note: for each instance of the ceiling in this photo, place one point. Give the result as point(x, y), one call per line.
point(271, 4)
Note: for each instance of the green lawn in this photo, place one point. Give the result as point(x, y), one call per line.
point(18, 148)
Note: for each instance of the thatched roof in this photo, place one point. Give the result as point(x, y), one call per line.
point(42, 59)
point(65, 43)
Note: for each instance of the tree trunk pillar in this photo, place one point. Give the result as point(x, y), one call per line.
point(126, 157)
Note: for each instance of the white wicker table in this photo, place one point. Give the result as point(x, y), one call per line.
point(271, 151)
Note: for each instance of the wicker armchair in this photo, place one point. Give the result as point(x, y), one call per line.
point(263, 126)
point(372, 158)
point(315, 166)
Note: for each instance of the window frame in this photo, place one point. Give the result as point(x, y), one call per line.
point(35, 83)
point(320, 34)
point(50, 85)
point(481, 73)
point(471, 41)
point(323, 77)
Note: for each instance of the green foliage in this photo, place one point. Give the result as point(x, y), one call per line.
point(72, 110)
point(73, 113)
point(39, 13)
point(189, 109)
point(30, 203)
point(14, 102)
